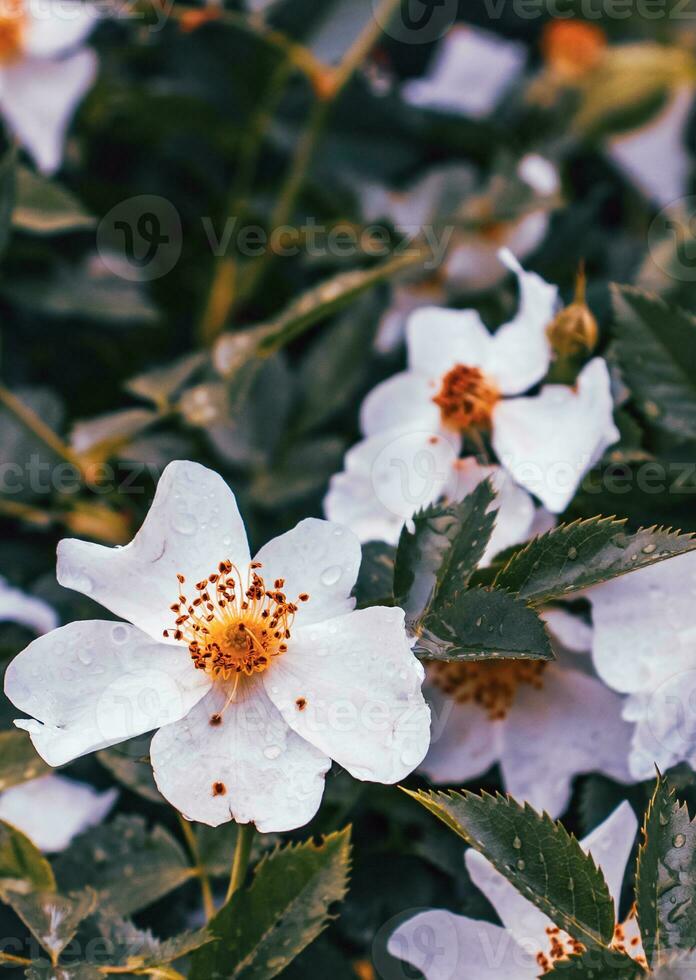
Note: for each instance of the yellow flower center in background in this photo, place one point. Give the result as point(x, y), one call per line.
point(13, 26)
point(233, 627)
point(491, 685)
point(466, 398)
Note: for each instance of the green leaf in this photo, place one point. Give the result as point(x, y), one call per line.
point(376, 575)
point(43, 207)
point(263, 928)
point(666, 876)
point(22, 866)
point(216, 846)
point(52, 918)
point(8, 171)
point(161, 384)
point(537, 855)
point(138, 949)
point(604, 964)
point(132, 771)
point(574, 556)
point(130, 866)
point(18, 760)
point(80, 971)
point(656, 348)
point(484, 623)
point(435, 562)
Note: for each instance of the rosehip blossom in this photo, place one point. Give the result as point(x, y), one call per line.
point(527, 943)
point(53, 810)
point(257, 673)
point(643, 647)
point(44, 72)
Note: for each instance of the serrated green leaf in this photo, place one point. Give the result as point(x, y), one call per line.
point(604, 964)
point(18, 760)
point(52, 918)
point(376, 576)
point(435, 562)
point(263, 928)
point(128, 864)
point(138, 949)
point(572, 557)
point(656, 348)
point(666, 877)
point(537, 855)
point(22, 866)
point(43, 207)
point(484, 623)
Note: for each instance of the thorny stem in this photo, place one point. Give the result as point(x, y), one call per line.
point(206, 891)
point(16, 960)
point(242, 853)
point(28, 417)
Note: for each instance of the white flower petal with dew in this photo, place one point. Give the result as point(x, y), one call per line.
point(249, 766)
point(352, 687)
point(52, 810)
point(18, 607)
point(471, 72)
point(550, 441)
point(192, 525)
point(38, 98)
point(93, 684)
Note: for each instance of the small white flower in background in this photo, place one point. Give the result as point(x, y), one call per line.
point(257, 673)
point(18, 607)
point(644, 646)
point(44, 72)
point(655, 156)
point(471, 73)
point(445, 946)
point(52, 810)
point(544, 723)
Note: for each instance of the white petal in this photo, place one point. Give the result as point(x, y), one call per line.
point(569, 631)
point(56, 26)
point(444, 946)
point(352, 501)
point(92, 684)
point(268, 774)
point(611, 844)
point(52, 810)
point(472, 70)
point(644, 627)
point(192, 525)
point(521, 918)
point(406, 299)
point(18, 607)
point(572, 725)
point(515, 511)
point(39, 98)
point(539, 173)
point(665, 731)
point(403, 401)
point(520, 353)
point(319, 558)
point(550, 441)
point(473, 264)
point(464, 743)
point(352, 687)
point(655, 157)
point(439, 339)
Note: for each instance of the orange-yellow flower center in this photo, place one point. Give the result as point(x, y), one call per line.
point(572, 48)
point(13, 26)
point(466, 398)
point(491, 685)
point(234, 626)
point(561, 947)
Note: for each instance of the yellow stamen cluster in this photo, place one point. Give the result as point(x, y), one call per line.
point(466, 398)
point(490, 684)
point(13, 26)
point(562, 947)
point(234, 628)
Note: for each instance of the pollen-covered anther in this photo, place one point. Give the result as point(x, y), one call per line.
point(13, 28)
point(491, 685)
point(234, 626)
point(561, 947)
point(466, 398)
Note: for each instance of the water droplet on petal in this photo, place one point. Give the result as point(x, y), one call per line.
point(119, 634)
point(331, 575)
point(679, 840)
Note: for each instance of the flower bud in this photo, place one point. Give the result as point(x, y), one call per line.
point(572, 48)
point(574, 330)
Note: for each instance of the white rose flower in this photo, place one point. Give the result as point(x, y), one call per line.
point(445, 946)
point(44, 71)
point(257, 673)
point(644, 646)
point(52, 810)
point(18, 607)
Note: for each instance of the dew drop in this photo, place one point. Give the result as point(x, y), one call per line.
point(649, 548)
point(272, 751)
point(331, 575)
point(517, 843)
point(679, 840)
point(572, 553)
point(85, 657)
point(185, 523)
point(521, 865)
point(119, 634)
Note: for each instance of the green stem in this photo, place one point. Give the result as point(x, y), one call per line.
point(28, 417)
point(242, 853)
